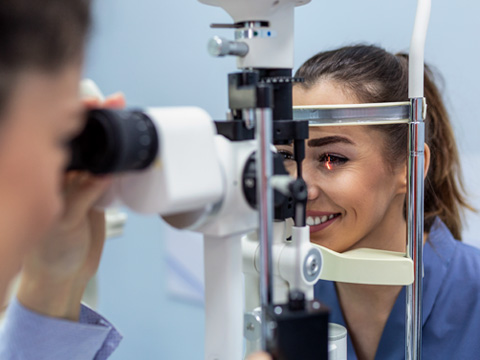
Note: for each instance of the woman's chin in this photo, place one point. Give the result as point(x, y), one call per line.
point(328, 243)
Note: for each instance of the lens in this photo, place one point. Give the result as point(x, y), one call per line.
point(115, 141)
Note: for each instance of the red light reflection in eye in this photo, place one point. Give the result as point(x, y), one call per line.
point(328, 164)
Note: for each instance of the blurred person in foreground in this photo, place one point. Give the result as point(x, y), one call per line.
point(49, 229)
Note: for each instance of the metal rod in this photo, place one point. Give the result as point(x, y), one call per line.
point(415, 207)
point(354, 114)
point(263, 134)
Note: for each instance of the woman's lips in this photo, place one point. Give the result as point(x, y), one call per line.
point(318, 220)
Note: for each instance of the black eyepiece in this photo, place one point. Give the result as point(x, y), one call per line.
point(115, 141)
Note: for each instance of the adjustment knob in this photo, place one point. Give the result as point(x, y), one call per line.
point(218, 46)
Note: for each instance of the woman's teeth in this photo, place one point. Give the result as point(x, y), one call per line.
point(317, 220)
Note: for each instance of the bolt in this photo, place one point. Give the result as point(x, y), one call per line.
point(312, 265)
point(272, 325)
point(249, 183)
point(278, 310)
point(218, 46)
point(249, 123)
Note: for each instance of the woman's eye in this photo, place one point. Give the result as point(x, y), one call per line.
point(287, 155)
point(330, 161)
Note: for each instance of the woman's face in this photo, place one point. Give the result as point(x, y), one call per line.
point(355, 199)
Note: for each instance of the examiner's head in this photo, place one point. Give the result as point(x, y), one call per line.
point(42, 45)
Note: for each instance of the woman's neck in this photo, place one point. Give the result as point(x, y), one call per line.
point(366, 308)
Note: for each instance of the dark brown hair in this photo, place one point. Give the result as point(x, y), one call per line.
point(39, 35)
point(372, 75)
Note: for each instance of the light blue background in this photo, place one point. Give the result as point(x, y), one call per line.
point(155, 52)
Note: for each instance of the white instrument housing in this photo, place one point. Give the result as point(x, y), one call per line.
point(186, 174)
point(271, 47)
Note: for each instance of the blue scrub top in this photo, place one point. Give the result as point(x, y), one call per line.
point(451, 303)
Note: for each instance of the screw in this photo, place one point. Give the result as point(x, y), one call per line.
point(218, 46)
point(249, 183)
point(249, 123)
point(312, 265)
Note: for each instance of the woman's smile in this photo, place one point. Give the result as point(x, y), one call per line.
point(319, 220)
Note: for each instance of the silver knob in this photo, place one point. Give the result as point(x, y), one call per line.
point(312, 265)
point(252, 324)
point(218, 46)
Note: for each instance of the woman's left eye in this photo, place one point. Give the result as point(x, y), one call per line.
point(287, 155)
point(329, 161)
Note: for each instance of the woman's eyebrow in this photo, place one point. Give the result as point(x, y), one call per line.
point(329, 140)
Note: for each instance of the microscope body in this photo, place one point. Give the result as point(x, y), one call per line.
point(197, 182)
point(185, 174)
point(197, 178)
point(270, 46)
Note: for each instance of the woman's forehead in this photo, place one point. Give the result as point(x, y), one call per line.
point(354, 130)
point(325, 92)
point(356, 135)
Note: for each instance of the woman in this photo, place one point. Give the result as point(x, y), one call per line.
point(356, 178)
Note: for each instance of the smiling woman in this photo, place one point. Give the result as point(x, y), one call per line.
point(342, 165)
point(356, 177)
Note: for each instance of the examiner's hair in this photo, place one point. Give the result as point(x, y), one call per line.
point(371, 75)
point(41, 36)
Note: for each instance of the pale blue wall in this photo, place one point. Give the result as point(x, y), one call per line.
point(155, 51)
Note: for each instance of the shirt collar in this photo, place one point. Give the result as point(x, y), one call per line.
point(437, 255)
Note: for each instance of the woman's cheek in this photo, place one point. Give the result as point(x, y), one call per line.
point(291, 167)
point(345, 184)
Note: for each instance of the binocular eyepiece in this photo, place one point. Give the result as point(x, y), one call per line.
point(114, 141)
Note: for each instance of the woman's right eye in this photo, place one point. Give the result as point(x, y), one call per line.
point(287, 155)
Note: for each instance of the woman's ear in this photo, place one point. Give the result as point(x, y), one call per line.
point(402, 180)
point(402, 189)
point(426, 165)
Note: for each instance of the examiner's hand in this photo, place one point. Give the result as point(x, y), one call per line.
point(259, 356)
point(57, 270)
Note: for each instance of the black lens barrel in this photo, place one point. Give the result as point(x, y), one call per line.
point(115, 141)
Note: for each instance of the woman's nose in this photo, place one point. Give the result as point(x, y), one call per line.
point(313, 191)
point(312, 188)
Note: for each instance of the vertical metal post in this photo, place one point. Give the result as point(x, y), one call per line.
point(223, 297)
point(263, 134)
point(415, 207)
